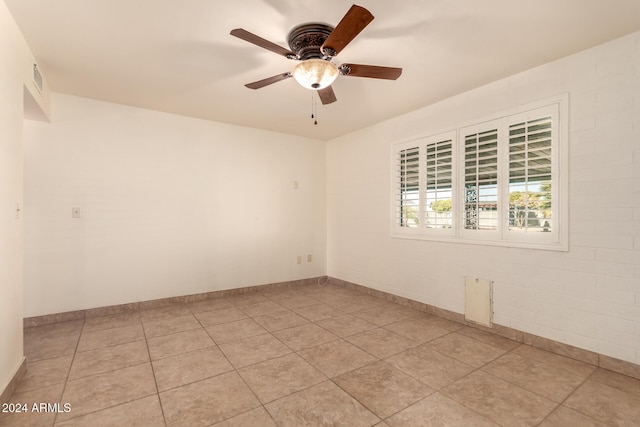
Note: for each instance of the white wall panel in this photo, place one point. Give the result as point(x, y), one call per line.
point(589, 296)
point(169, 206)
point(13, 52)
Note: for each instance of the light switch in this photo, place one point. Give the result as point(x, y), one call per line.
point(75, 212)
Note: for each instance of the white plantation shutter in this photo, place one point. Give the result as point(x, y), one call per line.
point(481, 180)
point(439, 183)
point(530, 175)
point(408, 187)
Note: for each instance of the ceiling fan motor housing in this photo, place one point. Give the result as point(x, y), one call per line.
point(306, 39)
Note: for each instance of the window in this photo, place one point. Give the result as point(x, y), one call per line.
point(496, 182)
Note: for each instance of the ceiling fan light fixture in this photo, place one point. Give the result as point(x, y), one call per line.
point(315, 73)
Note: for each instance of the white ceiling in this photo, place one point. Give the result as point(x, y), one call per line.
point(178, 57)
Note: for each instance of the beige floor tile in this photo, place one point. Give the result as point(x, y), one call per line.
point(103, 391)
point(280, 320)
point(181, 342)
point(45, 373)
point(336, 357)
point(383, 389)
point(380, 342)
point(549, 381)
point(324, 404)
point(417, 330)
point(208, 401)
point(252, 350)
point(36, 348)
point(262, 308)
point(211, 304)
point(185, 368)
point(233, 331)
point(121, 320)
point(615, 380)
point(145, 412)
point(108, 359)
point(572, 365)
point(432, 368)
point(438, 410)
point(605, 403)
point(319, 312)
point(566, 417)
point(344, 326)
point(381, 316)
point(488, 338)
point(258, 417)
point(467, 350)
point(498, 400)
point(166, 326)
point(304, 336)
point(225, 315)
point(108, 337)
point(50, 394)
point(482, 378)
point(292, 301)
point(281, 376)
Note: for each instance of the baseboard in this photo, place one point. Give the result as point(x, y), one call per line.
point(13, 382)
point(606, 362)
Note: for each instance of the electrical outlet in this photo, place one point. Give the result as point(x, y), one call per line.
point(299, 260)
point(309, 258)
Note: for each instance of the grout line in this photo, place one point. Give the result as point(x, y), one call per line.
point(153, 372)
point(66, 382)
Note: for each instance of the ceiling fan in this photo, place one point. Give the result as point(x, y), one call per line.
point(315, 44)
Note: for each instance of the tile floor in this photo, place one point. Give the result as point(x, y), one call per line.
point(316, 355)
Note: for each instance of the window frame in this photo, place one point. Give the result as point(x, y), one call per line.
point(557, 108)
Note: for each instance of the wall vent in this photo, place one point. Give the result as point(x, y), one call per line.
point(37, 77)
point(478, 302)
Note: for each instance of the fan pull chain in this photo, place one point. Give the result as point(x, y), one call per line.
point(314, 108)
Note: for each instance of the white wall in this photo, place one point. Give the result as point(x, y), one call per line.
point(12, 52)
point(588, 297)
point(169, 206)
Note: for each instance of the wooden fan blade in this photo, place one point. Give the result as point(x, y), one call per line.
point(372, 71)
point(327, 96)
point(268, 81)
point(263, 43)
point(355, 20)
